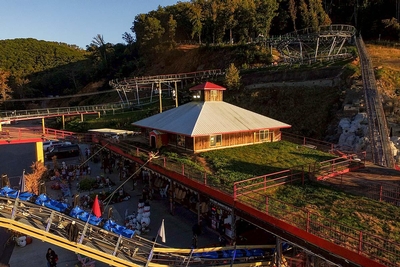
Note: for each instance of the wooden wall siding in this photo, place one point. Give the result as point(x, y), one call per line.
point(202, 143)
point(277, 135)
point(235, 139)
point(218, 97)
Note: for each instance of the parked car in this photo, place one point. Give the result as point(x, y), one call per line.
point(49, 143)
point(64, 151)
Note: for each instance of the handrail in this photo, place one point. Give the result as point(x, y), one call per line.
point(49, 226)
point(332, 230)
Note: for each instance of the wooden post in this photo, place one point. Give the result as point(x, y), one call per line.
point(360, 243)
point(43, 127)
point(265, 183)
point(63, 122)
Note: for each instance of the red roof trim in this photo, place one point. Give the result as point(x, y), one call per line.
point(20, 141)
point(207, 86)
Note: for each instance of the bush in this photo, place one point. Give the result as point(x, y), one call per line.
point(86, 184)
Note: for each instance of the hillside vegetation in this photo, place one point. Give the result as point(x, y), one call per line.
point(35, 68)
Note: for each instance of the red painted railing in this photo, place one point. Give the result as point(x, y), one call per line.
point(364, 243)
point(263, 182)
point(305, 141)
point(57, 134)
point(377, 248)
point(337, 166)
point(374, 247)
point(385, 192)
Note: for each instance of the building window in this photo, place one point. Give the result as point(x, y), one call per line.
point(264, 135)
point(180, 140)
point(216, 140)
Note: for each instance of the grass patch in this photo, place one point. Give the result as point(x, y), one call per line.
point(235, 164)
point(354, 211)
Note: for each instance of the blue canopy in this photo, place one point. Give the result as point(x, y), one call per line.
point(111, 226)
point(229, 253)
point(25, 196)
point(75, 212)
point(207, 255)
point(79, 213)
point(41, 199)
point(44, 200)
point(8, 192)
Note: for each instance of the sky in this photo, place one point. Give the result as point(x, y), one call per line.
point(74, 22)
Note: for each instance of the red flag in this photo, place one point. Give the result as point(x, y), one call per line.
point(96, 207)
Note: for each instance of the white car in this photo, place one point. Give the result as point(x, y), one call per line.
point(50, 143)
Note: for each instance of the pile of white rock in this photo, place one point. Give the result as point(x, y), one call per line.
point(395, 147)
point(353, 133)
point(354, 136)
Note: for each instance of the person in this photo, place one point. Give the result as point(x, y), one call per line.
point(72, 231)
point(51, 258)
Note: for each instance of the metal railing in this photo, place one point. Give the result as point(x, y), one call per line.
point(378, 130)
point(46, 112)
point(375, 247)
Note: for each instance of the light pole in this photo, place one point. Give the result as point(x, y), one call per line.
point(176, 95)
point(159, 95)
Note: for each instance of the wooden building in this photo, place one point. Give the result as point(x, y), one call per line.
point(209, 123)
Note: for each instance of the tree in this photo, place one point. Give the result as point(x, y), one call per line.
point(101, 49)
point(232, 77)
point(304, 15)
point(231, 22)
point(292, 12)
point(148, 31)
point(128, 38)
point(34, 179)
point(172, 24)
point(196, 18)
point(246, 17)
point(5, 90)
point(20, 86)
point(266, 12)
point(391, 29)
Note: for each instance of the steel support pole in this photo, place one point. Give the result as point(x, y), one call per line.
point(159, 95)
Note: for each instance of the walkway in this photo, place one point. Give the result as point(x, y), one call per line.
point(177, 227)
